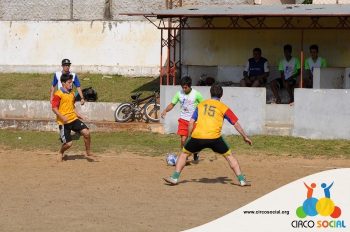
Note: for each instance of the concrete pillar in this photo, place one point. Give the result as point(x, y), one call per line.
point(317, 79)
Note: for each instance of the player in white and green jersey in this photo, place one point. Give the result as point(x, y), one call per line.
point(289, 68)
point(314, 61)
point(189, 99)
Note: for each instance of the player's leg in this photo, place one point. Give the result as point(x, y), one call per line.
point(191, 146)
point(180, 164)
point(87, 141)
point(182, 130)
point(289, 84)
point(63, 148)
point(234, 165)
point(183, 141)
point(66, 139)
point(79, 126)
point(274, 88)
point(243, 83)
point(220, 146)
point(256, 82)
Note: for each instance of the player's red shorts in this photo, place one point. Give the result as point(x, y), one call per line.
point(182, 128)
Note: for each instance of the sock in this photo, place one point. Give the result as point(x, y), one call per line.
point(176, 175)
point(240, 177)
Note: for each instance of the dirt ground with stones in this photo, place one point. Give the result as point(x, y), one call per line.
point(125, 192)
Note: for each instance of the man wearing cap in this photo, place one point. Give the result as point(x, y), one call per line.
point(57, 80)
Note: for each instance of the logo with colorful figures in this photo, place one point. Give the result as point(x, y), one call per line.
point(324, 206)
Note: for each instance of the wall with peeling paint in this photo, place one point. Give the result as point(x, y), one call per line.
point(130, 48)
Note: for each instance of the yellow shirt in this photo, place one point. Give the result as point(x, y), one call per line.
point(209, 116)
point(64, 101)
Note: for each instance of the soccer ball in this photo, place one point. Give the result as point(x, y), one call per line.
point(171, 159)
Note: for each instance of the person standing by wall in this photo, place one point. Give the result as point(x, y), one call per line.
point(210, 115)
point(68, 118)
point(189, 99)
point(57, 80)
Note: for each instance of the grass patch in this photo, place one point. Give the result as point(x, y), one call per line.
point(110, 88)
point(152, 144)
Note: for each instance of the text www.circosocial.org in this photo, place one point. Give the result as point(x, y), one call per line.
point(285, 212)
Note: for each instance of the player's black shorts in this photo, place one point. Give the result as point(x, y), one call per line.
point(218, 145)
point(65, 130)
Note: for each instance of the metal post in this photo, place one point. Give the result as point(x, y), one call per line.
point(174, 56)
point(161, 58)
point(302, 60)
point(168, 55)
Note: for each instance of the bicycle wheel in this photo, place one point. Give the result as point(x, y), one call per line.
point(123, 112)
point(152, 111)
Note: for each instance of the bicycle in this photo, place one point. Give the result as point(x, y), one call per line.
point(133, 110)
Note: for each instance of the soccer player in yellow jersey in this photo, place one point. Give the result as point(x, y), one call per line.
point(68, 118)
point(209, 116)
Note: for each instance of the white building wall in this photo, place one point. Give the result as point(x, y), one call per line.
point(322, 114)
point(247, 103)
point(126, 47)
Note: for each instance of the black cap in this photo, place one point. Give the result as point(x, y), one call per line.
point(66, 61)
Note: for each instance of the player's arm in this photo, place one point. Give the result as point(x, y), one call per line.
point(192, 121)
point(242, 133)
point(80, 116)
point(246, 70)
point(77, 84)
point(55, 104)
point(297, 67)
point(281, 69)
point(190, 127)
point(174, 101)
point(167, 109)
point(266, 73)
point(52, 88)
point(232, 118)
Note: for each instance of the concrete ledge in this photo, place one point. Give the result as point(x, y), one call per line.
point(51, 125)
point(29, 109)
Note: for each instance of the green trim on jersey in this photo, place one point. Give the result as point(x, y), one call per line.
point(188, 102)
point(320, 63)
point(289, 68)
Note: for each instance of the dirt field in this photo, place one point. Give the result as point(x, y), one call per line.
point(125, 192)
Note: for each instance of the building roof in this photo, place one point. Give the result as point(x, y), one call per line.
point(300, 10)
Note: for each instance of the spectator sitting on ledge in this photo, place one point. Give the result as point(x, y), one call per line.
point(256, 70)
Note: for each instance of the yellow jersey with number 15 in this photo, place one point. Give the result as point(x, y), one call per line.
point(209, 116)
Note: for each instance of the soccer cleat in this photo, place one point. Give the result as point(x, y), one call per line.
point(243, 182)
point(171, 180)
